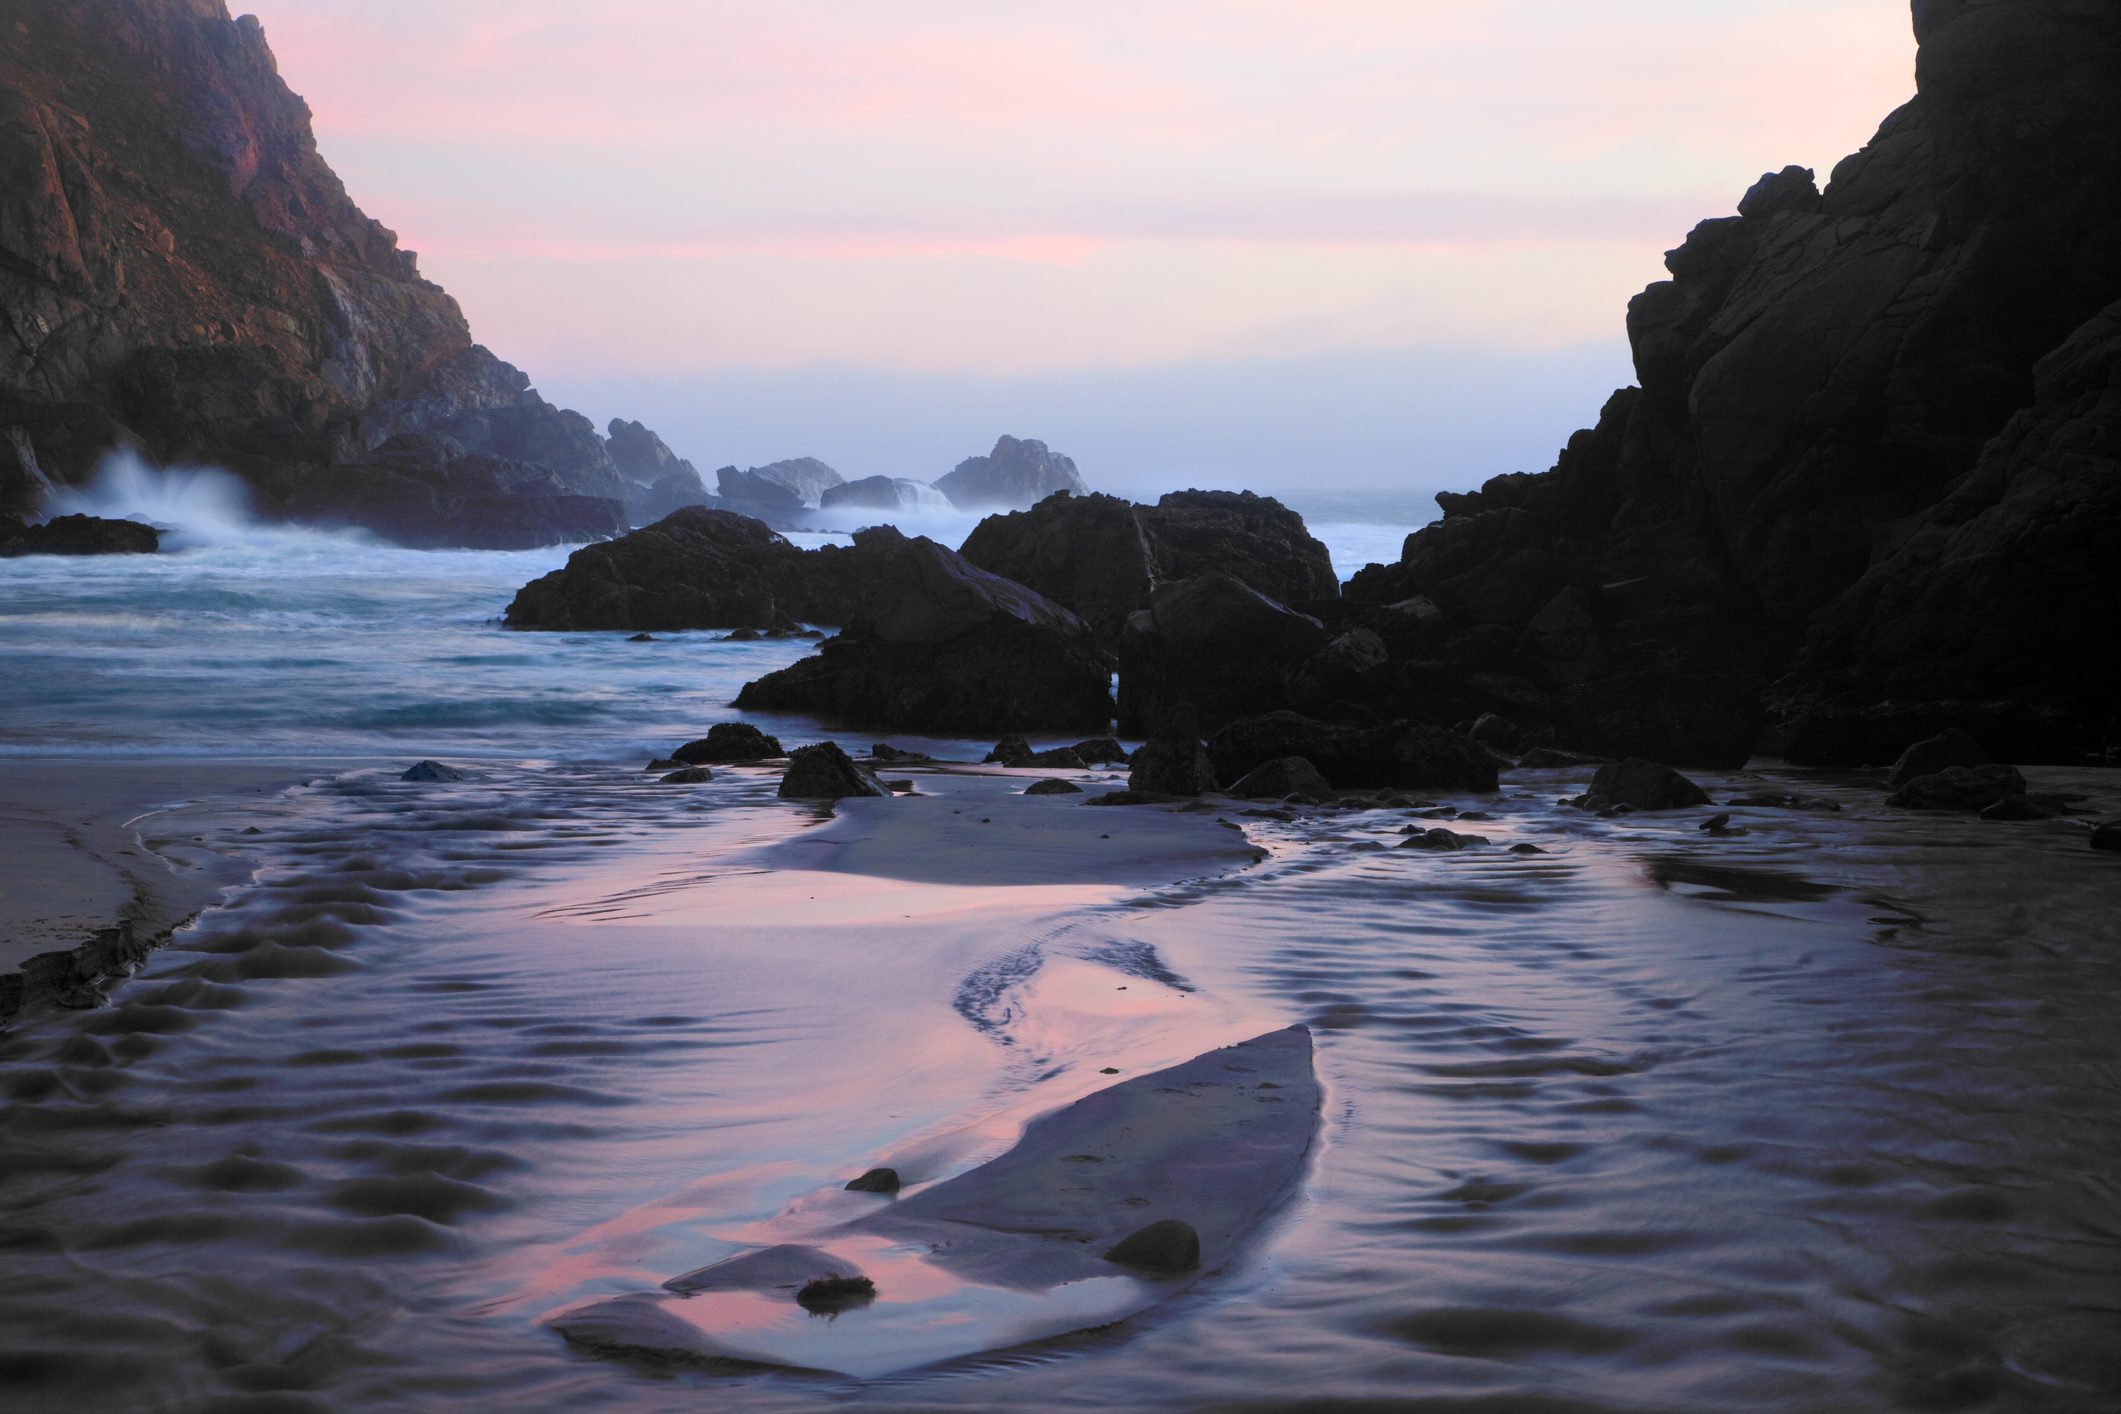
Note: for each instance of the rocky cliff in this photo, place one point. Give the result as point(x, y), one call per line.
point(1874, 440)
point(181, 272)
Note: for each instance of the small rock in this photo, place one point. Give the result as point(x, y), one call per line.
point(1716, 825)
point(641, 638)
point(2022, 807)
point(1009, 751)
point(875, 1181)
point(729, 741)
point(1474, 815)
point(1441, 839)
point(689, 776)
point(833, 1293)
point(663, 763)
point(1641, 785)
point(1167, 1245)
point(745, 635)
point(432, 771)
point(1102, 751)
point(824, 772)
point(885, 751)
point(1053, 785)
point(1963, 788)
point(1526, 849)
point(1950, 747)
point(1285, 778)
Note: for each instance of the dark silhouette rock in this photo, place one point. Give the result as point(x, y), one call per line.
point(1950, 747)
point(1171, 766)
point(1101, 751)
point(1167, 1245)
point(413, 493)
point(885, 751)
point(1017, 473)
point(832, 1294)
point(882, 1180)
point(1964, 788)
point(658, 481)
point(824, 772)
point(730, 741)
point(78, 535)
point(1440, 839)
point(1284, 778)
point(2023, 807)
point(1010, 751)
point(1254, 538)
point(885, 493)
point(1400, 755)
point(696, 568)
point(431, 771)
point(1053, 785)
point(749, 493)
point(2107, 836)
point(1640, 785)
point(689, 776)
point(1215, 643)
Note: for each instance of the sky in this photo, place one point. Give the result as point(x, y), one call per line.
point(1336, 244)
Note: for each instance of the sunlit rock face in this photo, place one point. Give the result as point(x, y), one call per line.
point(1823, 384)
point(181, 271)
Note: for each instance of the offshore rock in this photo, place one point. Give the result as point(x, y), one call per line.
point(1017, 473)
point(807, 477)
point(729, 741)
point(753, 494)
point(78, 535)
point(884, 493)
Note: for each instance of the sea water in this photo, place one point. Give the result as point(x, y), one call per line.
point(1818, 1114)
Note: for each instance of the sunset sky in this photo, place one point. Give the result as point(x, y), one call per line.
point(1346, 242)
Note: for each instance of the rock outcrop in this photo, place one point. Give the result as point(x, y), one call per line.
point(77, 535)
point(933, 641)
point(1214, 644)
point(658, 480)
point(885, 493)
point(181, 274)
point(1016, 474)
point(1874, 440)
point(807, 477)
point(1403, 755)
point(1102, 556)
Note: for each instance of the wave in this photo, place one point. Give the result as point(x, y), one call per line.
point(194, 507)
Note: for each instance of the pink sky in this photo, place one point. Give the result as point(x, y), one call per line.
point(996, 188)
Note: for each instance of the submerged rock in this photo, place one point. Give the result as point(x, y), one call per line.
point(1441, 839)
point(1053, 785)
point(824, 772)
point(689, 776)
point(432, 771)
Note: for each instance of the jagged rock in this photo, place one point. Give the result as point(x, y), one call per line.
point(1212, 642)
point(407, 493)
point(1640, 785)
point(1284, 778)
point(751, 494)
point(1950, 747)
point(1353, 666)
point(730, 741)
point(78, 535)
point(1171, 766)
point(1017, 473)
point(1101, 556)
point(939, 644)
point(696, 568)
point(1401, 755)
point(1053, 785)
point(1965, 788)
point(431, 771)
point(658, 481)
point(824, 772)
point(807, 477)
point(886, 493)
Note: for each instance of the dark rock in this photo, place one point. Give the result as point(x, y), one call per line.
point(79, 535)
point(756, 495)
point(1716, 825)
point(1283, 778)
point(806, 477)
point(1950, 747)
point(432, 771)
point(1402, 755)
point(824, 772)
point(1640, 785)
point(663, 763)
point(885, 751)
point(1823, 734)
point(1138, 797)
point(1212, 642)
point(2107, 835)
point(1965, 788)
point(729, 741)
point(832, 1293)
point(1171, 766)
point(875, 1181)
point(1009, 751)
point(1440, 839)
point(696, 568)
point(2022, 807)
point(689, 776)
point(641, 638)
point(1053, 785)
point(1780, 800)
point(1500, 733)
point(1526, 849)
point(1547, 758)
point(1059, 757)
point(1167, 1245)
point(477, 499)
point(658, 481)
point(1102, 751)
point(1016, 474)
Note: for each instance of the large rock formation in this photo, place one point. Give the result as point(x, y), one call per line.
point(751, 494)
point(1874, 437)
point(658, 480)
point(885, 493)
point(933, 641)
point(1102, 556)
point(180, 272)
point(1017, 473)
point(807, 477)
point(1214, 645)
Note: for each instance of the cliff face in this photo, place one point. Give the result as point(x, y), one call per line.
point(1818, 382)
point(180, 270)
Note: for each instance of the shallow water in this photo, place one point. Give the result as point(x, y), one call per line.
point(1818, 1116)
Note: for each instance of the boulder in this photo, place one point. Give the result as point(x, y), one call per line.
point(431, 771)
point(886, 493)
point(1101, 751)
point(1400, 755)
point(2023, 807)
point(1254, 538)
point(1171, 766)
point(1640, 785)
point(729, 741)
point(1009, 751)
point(689, 776)
point(1284, 778)
point(1950, 747)
point(824, 772)
point(696, 568)
point(1215, 643)
point(1053, 785)
point(78, 535)
point(879, 1180)
point(2107, 836)
point(1963, 788)
point(1440, 839)
point(1016, 474)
